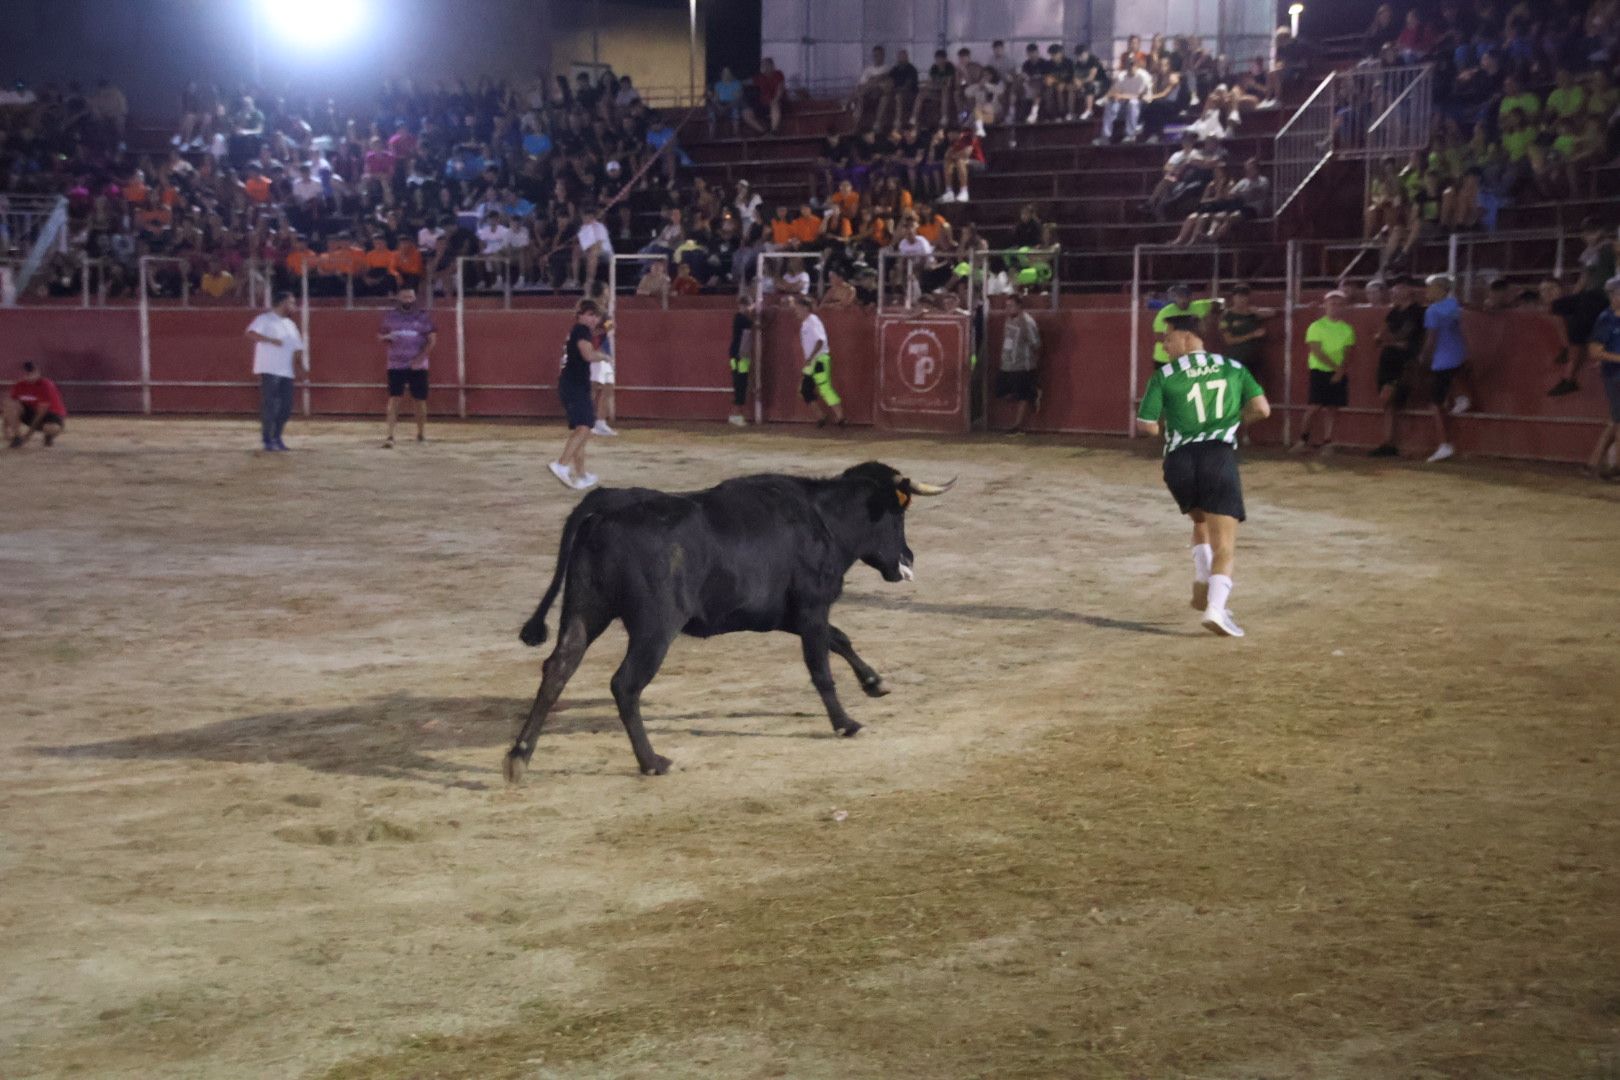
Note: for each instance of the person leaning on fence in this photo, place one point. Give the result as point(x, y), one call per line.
point(1398, 341)
point(277, 348)
point(1604, 346)
point(741, 353)
point(1329, 340)
point(1017, 379)
point(1443, 356)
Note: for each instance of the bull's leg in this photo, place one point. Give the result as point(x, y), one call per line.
point(871, 681)
point(641, 662)
point(815, 640)
point(574, 637)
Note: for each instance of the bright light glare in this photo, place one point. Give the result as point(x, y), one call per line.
point(318, 24)
point(1296, 10)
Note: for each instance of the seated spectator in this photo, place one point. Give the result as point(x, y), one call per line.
point(655, 281)
point(846, 199)
point(1027, 231)
point(1031, 84)
point(1125, 96)
point(218, 283)
point(378, 278)
point(769, 87)
point(670, 236)
point(964, 156)
point(794, 279)
point(725, 102)
point(986, 99)
point(938, 88)
point(1183, 164)
point(592, 246)
point(874, 90)
point(805, 229)
point(1383, 31)
point(1168, 99)
point(1058, 93)
point(1090, 81)
point(1416, 40)
point(685, 284)
point(839, 292)
point(1249, 199)
point(1213, 199)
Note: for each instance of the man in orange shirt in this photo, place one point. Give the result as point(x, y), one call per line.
point(781, 229)
point(380, 275)
point(806, 227)
point(408, 266)
point(930, 225)
point(847, 199)
point(301, 256)
point(257, 186)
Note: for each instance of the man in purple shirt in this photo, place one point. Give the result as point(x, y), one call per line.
point(409, 337)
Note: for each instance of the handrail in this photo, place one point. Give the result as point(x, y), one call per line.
point(52, 234)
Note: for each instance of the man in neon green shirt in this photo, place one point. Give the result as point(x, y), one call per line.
point(1198, 399)
point(1181, 304)
point(1329, 340)
point(1515, 98)
point(1568, 98)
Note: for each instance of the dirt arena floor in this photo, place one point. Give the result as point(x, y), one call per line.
point(252, 821)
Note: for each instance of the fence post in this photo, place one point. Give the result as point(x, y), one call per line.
point(1136, 330)
point(461, 336)
point(84, 275)
point(146, 337)
point(309, 355)
point(1293, 261)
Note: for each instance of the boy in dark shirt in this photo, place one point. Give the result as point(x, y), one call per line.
point(904, 77)
point(1059, 94)
point(940, 88)
point(1034, 81)
point(1399, 339)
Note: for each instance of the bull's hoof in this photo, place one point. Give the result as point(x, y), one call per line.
point(875, 688)
point(659, 766)
point(850, 730)
point(514, 767)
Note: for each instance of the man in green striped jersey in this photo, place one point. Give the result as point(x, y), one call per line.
point(1197, 400)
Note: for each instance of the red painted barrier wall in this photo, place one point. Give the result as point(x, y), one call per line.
point(672, 366)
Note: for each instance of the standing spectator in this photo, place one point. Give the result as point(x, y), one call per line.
point(1020, 355)
point(34, 404)
point(769, 85)
point(1329, 340)
point(277, 347)
point(1579, 312)
point(1444, 352)
point(1130, 86)
point(817, 386)
point(1243, 331)
point(409, 336)
point(1181, 303)
point(1399, 341)
point(874, 89)
point(1605, 349)
point(604, 372)
point(593, 246)
point(574, 391)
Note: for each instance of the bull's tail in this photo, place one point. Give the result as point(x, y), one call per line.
point(534, 631)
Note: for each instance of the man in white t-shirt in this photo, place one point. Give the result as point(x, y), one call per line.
point(816, 388)
point(306, 189)
point(875, 87)
point(913, 244)
point(277, 346)
point(1131, 84)
point(494, 234)
point(594, 245)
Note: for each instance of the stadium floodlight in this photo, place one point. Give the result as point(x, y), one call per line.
point(1294, 12)
point(312, 24)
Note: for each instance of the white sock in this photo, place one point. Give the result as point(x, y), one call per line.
point(1220, 587)
point(1203, 557)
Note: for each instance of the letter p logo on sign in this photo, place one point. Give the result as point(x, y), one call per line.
point(922, 361)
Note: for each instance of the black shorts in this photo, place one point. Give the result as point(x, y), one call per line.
point(29, 413)
point(1204, 476)
point(415, 378)
point(807, 390)
point(1324, 391)
point(1440, 386)
point(577, 405)
point(1016, 386)
point(1392, 369)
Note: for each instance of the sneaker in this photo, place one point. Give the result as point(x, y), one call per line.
point(49, 439)
point(1387, 450)
point(1086, 115)
point(948, 196)
point(1200, 599)
point(1101, 140)
point(1461, 405)
point(1034, 115)
point(582, 483)
point(1269, 103)
point(421, 436)
point(962, 196)
point(1562, 387)
point(281, 446)
point(737, 421)
point(388, 443)
point(562, 473)
point(1301, 447)
point(602, 428)
point(1128, 139)
point(1220, 623)
point(17, 441)
point(1445, 451)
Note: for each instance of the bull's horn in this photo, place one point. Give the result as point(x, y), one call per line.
point(918, 487)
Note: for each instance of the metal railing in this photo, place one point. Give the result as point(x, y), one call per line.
point(1354, 114)
point(49, 236)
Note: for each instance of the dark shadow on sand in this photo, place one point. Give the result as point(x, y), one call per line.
point(1011, 613)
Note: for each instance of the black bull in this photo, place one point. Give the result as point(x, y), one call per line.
point(756, 553)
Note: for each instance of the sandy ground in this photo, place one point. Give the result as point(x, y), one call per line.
point(252, 822)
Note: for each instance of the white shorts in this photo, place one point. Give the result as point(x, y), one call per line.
point(602, 372)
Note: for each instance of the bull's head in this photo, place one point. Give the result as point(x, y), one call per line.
point(883, 544)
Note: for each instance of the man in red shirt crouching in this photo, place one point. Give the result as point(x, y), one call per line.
point(35, 404)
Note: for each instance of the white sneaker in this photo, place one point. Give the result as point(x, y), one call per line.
point(1461, 405)
point(1034, 115)
point(948, 196)
point(1221, 624)
point(1269, 103)
point(961, 196)
point(562, 472)
point(582, 483)
point(737, 421)
point(601, 428)
point(1445, 451)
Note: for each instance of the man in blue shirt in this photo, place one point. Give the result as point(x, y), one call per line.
point(1444, 352)
point(1604, 347)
